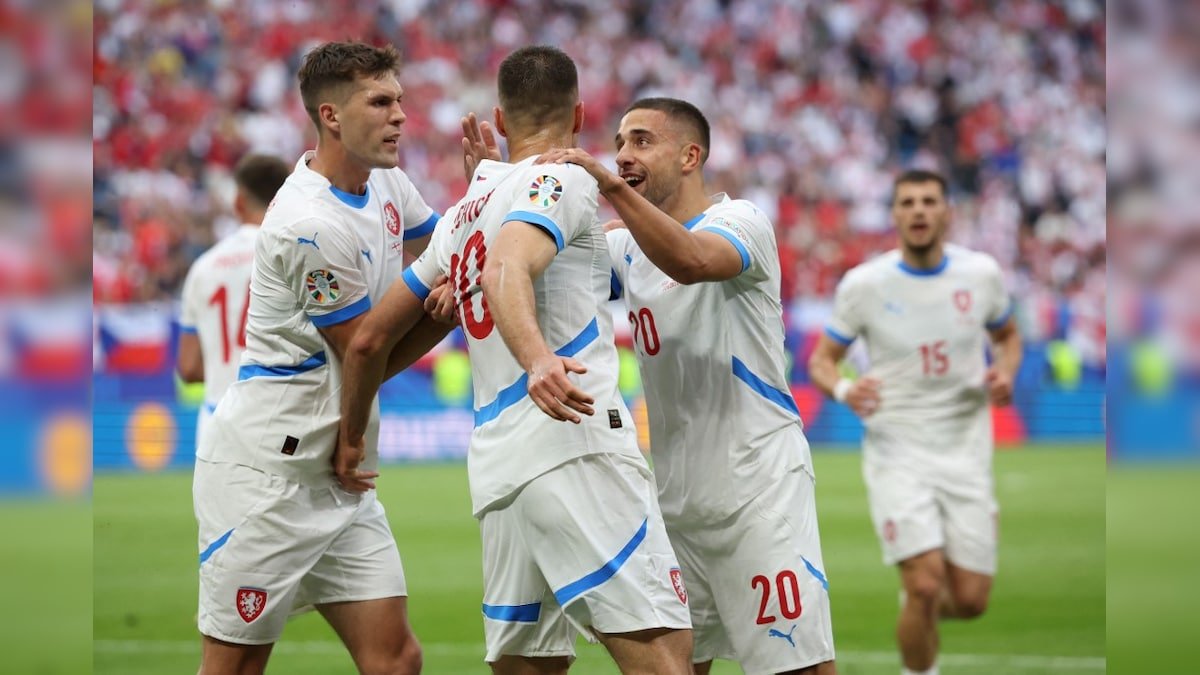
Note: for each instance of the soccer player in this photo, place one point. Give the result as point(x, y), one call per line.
point(925, 312)
point(700, 278)
point(572, 534)
point(278, 529)
point(216, 292)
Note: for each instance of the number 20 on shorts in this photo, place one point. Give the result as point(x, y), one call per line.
point(786, 587)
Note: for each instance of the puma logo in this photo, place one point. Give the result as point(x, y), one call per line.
point(786, 636)
point(313, 241)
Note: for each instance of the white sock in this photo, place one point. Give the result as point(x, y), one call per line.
point(933, 670)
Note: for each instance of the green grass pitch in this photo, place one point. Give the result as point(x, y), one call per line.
point(1047, 613)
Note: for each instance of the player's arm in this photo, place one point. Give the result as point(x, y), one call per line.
point(685, 256)
point(1006, 359)
point(520, 254)
point(862, 395)
point(190, 360)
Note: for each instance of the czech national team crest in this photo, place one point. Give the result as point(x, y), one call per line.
point(544, 191)
point(962, 300)
point(250, 603)
point(322, 286)
point(889, 531)
point(677, 584)
point(391, 218)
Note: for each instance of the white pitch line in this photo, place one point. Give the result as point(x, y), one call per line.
point(1008, 662)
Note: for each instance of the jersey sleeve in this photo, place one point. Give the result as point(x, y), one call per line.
point(321, 264)
point(999, 304)
point(846, 323)
point(560, 199)
point(189, 304)
point(419, 218)
point(618, 246)
point(751, 233)
point(420, 275)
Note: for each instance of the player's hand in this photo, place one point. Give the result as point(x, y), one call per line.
point(863, 397)
point(554, 392)
point(999, 386)
point(346, 459)
point(607, 179)
point(478, 143)
point(617, 224)
point(440, 303)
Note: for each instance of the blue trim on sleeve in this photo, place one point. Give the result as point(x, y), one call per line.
point(344, 314)
point(516, 613)
point(574, 589)
point(415, 284)
point(254, 370)
point(541, 221)
point(1003, 319)
point(213, 547)
point(779, 397)
point(838, 337)
point(921, 272)
point(519, 389)
point(190, 330)
point(615, 290)
point(816, 573)
point(424, 228)
point(352, 200)
point(737, 243)
point(693, 220)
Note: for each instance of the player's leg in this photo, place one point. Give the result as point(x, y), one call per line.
point(358, 586)
point(523, 665)
point(227, 658)
point(972, 519)
point(923, 577)
point(709, 639)
point(968, 593)
point(603, 549)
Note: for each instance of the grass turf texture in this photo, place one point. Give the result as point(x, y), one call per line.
point(1047, 613)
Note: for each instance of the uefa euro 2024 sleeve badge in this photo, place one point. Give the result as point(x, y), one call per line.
point(322, 286)
point(545, 190)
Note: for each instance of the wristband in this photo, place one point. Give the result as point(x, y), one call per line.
point(842, 389)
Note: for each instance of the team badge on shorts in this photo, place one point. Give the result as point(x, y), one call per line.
point(677, 584)
point(322, 286)
point(250, 603)
point(544, 191)
point(391, 218)
point(889, 531)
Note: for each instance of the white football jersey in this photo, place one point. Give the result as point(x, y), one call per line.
point(514, 441)
point(723, 424)
point(322, 257)
point(213, 306)
point(926, 332)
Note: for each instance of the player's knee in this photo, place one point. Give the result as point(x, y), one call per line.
point(924, 589)
point(407, 660)
point(971, 606)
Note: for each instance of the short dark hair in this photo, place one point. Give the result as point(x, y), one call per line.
point(538, 85)
point(681, 111)
point(919, 176)
point(260, 176)
point(335, 64)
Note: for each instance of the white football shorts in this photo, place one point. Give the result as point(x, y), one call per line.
point(269, 545)
point(756, 581)
point(580, 548)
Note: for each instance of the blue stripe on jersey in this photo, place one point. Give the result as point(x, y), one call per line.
point(816, 573)
point(779, 397)
point(919, 272)
point(424, 228)
point(574, 589)
point(541, 221)
point(517, 613)
point(344, 314)
point(254, 370)
point(737, 243)
point(519, 389)
point(615, 290)
point(415, 284)
point(190, 330)
point(352, 200)
point(212, 548)
point(999, 323)
point(838, 337)
point(695, 219)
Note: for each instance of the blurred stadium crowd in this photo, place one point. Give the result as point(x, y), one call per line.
point(815, 105)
